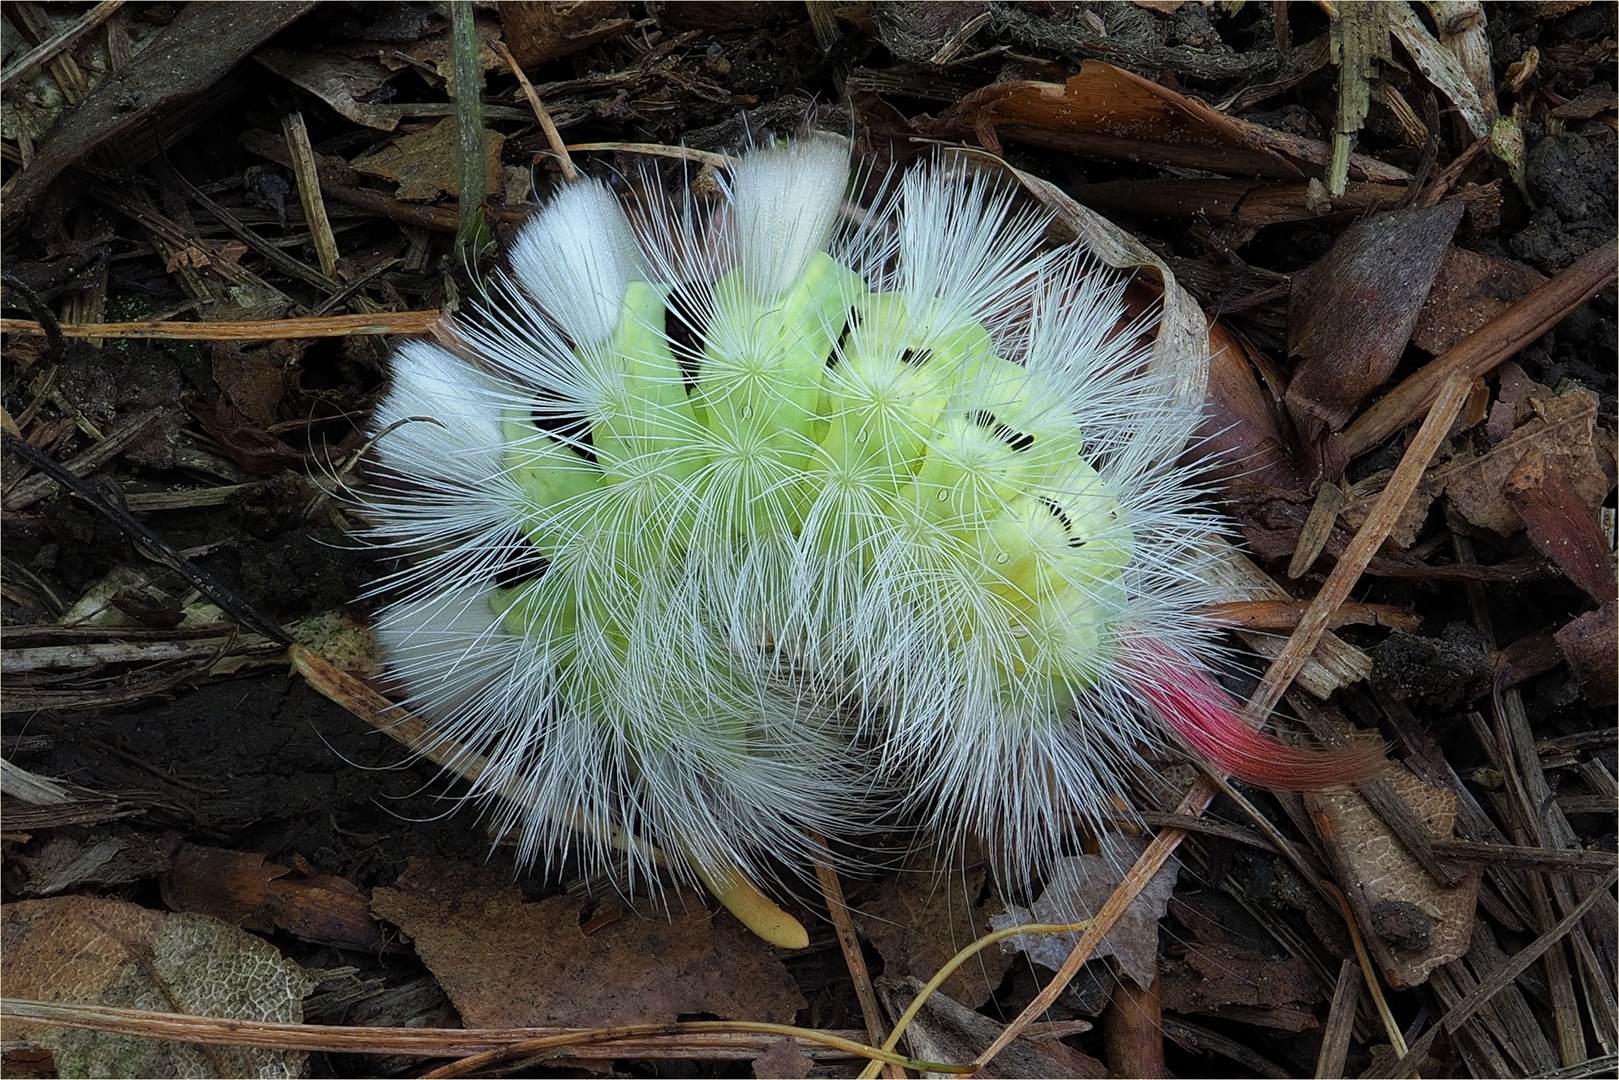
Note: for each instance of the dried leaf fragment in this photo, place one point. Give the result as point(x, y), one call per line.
point(343, 82)
point(1376, 869)
point(1469, 290)
point(426, 163)
point(1352, 312)
point(1081, 885)
point(242, 888)
point(1559, 521)
point(108, 952)
point(924, 916)
point(1564, 425)
point(508, 963)
point(784, 1060)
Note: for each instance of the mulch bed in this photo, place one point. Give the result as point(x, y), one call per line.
point(232, 172)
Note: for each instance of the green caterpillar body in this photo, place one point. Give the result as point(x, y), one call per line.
point(831, 417)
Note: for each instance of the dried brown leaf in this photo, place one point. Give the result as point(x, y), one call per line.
point(1563, 426)
point(1241, 430)
point(425, 164)
point(1351, 313)
point(1079, 887)
point(924, 916)
point(784, 1060)
point(1469, 291)
point(1560, 522)
point(1384, 883)
point(1109, 112)
point(87, 950)
point(343, 82)
point(241, 888)
point(508, 963)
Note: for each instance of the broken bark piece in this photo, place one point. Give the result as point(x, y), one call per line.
point(540, 33)
point(1592, 650)
point(1352, 312)
point(1560, 522)
point(946, 1030)
point(1133, 1030)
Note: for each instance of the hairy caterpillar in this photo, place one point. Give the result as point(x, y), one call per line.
point(744, 522)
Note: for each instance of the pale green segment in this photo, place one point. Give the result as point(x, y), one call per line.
point(920, 433)
point(762, 363)
point(571, 611)
point(892, 381)
point(1010, 505)
point(1026, 405)
point(553, 479)
point(969, 477)
point(534, 612)
point(650, 418)
point(756, 394)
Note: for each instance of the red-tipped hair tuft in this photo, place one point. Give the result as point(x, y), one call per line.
point(1210, 722)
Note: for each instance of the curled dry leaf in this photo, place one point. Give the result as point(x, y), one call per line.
point(1243, 432)
point(343, 82)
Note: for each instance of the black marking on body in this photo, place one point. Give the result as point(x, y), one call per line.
point(1017, 440)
